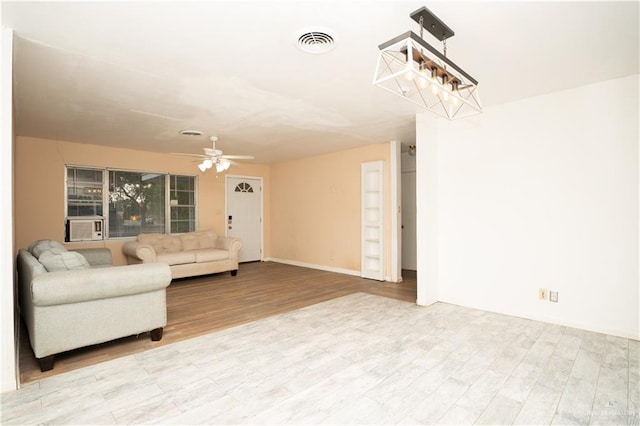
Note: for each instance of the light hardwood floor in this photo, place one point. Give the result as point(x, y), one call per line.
point(197, 306)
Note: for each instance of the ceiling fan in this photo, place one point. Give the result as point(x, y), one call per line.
point(215, 157)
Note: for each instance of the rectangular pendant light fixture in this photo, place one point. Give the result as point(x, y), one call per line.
point(411, 68)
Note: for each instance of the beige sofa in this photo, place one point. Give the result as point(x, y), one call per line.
point(71, 299)
point(190, 254)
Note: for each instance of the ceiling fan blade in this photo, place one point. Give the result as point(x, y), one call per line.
point(189, 155)
point(238, 157)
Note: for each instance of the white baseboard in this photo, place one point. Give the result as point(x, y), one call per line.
point(548, 319)
point(313, 266)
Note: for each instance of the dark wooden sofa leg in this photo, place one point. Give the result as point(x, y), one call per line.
point(234, 272)
point(46, 363)
point(156, 334)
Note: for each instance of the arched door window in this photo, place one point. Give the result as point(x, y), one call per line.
point(243, 187)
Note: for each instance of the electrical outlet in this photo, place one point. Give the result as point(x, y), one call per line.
point(542, 293)
point(553, 296)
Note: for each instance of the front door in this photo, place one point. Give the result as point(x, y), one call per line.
point(244, 215)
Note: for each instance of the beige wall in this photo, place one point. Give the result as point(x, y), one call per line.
point(315, 207)
point(39, 187)
point(311, 206)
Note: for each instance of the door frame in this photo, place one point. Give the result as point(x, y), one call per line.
point(395, 172)
point(405, 211)
point(226, 210)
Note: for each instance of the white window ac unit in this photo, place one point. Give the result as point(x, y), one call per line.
point(84, 229)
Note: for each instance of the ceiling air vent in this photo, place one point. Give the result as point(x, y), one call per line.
point(315, 41)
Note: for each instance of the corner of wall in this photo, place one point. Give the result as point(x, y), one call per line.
point(427, 209)
point(8, 354)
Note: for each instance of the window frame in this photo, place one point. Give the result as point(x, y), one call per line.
point(105, 196)
point(66, 189)
point(169, 206)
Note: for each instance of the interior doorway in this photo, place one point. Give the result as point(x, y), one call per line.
point(408, 180)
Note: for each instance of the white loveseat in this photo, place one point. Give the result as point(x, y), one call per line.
point(189, 254)
point(71, 299)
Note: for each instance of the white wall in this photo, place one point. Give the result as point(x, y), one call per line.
point(408, 162)
point(395, 190)
point(543, 193)
point(427, 194)
point(7, 353)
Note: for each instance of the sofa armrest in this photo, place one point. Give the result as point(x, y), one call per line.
point(63, 287)
point(229, 243)
point(96, 256)
point(138, 253)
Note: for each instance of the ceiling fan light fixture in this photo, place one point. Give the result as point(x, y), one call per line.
point(215, 157)
point(222, 165)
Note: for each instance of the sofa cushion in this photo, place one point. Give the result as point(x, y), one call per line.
point(62, 260)
point(178, 258)
point(162, 243)
point(198, 240)
point(41, 246)
point(152, 240)
point(96, 256)
point(171, 244)
point(210, 255)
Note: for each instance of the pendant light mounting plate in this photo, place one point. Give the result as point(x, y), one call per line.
point(431, 23)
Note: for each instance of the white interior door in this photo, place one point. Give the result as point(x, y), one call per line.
point(409, 258)
point(244, 215)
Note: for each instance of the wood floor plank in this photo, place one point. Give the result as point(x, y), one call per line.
point(201, 305)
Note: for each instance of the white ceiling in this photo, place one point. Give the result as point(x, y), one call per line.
point(133, 74)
